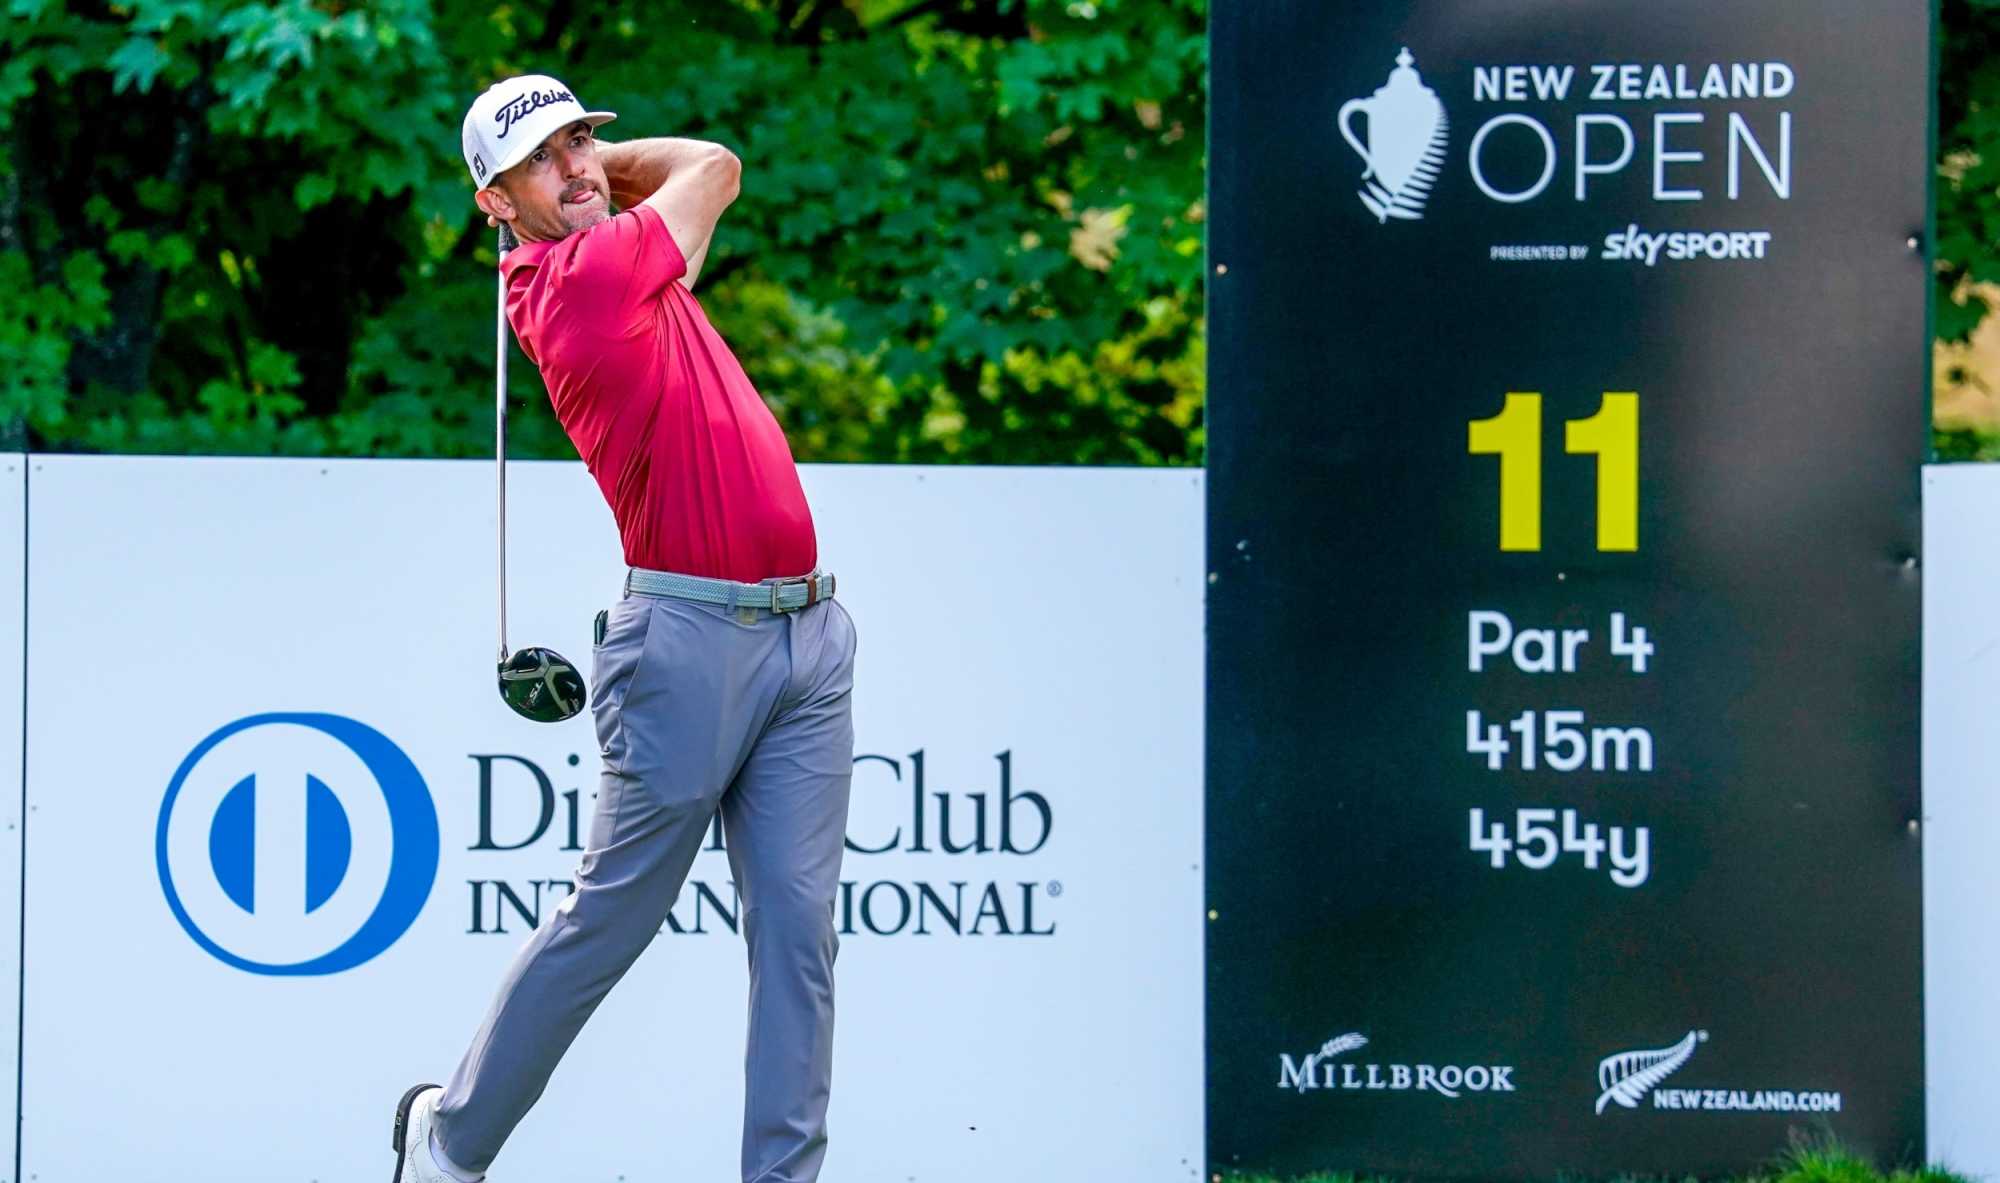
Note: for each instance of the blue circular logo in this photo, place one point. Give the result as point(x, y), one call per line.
point(258, 838)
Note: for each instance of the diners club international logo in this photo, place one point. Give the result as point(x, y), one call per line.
point(952, 851)
point(296, 844)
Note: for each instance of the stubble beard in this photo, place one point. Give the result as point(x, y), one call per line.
point(565, 219)
point(598, 212)
point(574, 219)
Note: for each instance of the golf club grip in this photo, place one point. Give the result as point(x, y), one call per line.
point(507, 239)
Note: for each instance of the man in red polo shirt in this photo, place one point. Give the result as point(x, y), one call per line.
point(723, 678)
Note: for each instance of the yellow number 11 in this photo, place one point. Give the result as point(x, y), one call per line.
point(1612, 435)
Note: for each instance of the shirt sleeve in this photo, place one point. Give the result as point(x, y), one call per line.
point(619, 267)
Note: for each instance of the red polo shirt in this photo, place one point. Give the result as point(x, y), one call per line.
point(696, 469)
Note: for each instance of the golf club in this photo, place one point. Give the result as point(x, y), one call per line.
point(538, 683)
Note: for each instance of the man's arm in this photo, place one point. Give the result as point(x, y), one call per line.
point(687, 182)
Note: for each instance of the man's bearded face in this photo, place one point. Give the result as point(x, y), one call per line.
point(560, 188)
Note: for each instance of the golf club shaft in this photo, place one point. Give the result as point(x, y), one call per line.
point(500, 424)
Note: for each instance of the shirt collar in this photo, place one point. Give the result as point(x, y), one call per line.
point(528, 254)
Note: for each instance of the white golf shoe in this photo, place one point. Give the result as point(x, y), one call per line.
point(416, 1113)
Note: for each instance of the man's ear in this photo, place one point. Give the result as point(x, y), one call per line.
point(494, 202)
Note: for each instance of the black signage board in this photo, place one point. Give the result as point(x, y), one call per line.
point(1566, 410)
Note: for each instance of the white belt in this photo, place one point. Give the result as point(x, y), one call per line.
point(779, 595)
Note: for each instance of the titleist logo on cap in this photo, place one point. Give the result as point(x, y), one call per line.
point(522, 104)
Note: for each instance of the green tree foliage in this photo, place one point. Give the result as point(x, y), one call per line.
point(970, 229)
point(1968, 190)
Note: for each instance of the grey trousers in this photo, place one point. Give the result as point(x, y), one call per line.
point(697, 707)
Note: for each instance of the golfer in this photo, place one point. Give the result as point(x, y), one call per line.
point(723, 677)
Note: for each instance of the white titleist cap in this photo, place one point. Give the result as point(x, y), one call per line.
point(513, 117)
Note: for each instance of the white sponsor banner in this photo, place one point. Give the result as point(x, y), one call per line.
point(1961, 826)
point(13, 526)
point(286, 837)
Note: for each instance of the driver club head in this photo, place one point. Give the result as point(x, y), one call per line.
point(540, 684)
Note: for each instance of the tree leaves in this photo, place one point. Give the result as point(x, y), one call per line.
point(969, 229)
point(892, 276)
point(137, 63)
point(1968, 218)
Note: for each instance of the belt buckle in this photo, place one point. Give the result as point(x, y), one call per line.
point(818, 585)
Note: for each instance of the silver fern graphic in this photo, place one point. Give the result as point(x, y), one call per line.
point(1629, 1076)
point(1407, 199)
point(1331, 1048)
point(1408, 135)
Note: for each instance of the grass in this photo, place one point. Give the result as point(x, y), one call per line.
point(1805, 1163)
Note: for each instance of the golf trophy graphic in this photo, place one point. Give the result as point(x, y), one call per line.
point(1406, 142)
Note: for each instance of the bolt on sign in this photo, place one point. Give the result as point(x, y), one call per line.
point(1566, 415)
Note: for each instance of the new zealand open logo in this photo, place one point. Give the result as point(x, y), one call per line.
point(1407, 140)
point(296, 844)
